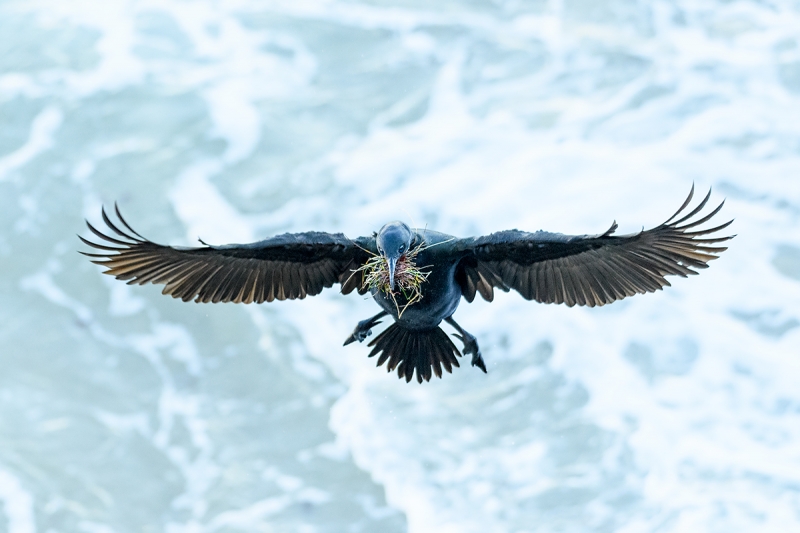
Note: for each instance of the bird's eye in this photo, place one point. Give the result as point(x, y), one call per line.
point(402, 249)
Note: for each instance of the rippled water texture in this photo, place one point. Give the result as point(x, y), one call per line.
point(123, 410)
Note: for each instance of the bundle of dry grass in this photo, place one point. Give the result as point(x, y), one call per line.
point(408, 278)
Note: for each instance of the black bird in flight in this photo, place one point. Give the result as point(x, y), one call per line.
point(419, 276)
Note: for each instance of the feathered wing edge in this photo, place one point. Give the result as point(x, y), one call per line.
point(425, 352)
point(600, 269)
point(237, 274)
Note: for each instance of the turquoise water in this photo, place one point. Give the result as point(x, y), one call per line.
point(123, 410)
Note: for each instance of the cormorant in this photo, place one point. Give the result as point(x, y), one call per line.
point(418, 277)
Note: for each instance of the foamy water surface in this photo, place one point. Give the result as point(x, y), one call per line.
point(123, 410)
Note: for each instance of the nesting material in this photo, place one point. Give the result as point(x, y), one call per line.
point(408, 278)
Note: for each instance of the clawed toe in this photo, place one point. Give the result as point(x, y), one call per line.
point(359, 335)
point(477, 360)
point(364, 329)
point(471, 347)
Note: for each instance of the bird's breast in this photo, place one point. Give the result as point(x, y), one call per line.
point(440, 297)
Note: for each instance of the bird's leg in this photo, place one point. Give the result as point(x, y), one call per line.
point(470, 344)
point(363, 329)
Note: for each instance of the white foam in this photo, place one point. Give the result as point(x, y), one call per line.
point(671, 412)
point(40, 139)
point(204, 211)
point(17, 504)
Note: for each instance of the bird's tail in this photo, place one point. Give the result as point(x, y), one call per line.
point(427, 351)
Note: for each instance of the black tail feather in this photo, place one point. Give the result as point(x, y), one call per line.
point(425, 352)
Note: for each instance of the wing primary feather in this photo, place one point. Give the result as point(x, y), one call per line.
point(136, 265)
point(712, 241)
point(629, 276)
point(151, 273)
point(662, 265)
point(694, 211)
point(682, 207)
point(101, 256)
point(124, 223)
point(697, 244)
point(706, 218)
point(140, 273)
point(686, 255)
point(101, 246)
point(106, 237)
point(115, 229)
point(711, 230)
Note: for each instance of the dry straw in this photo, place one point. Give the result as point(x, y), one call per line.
point(408, 278)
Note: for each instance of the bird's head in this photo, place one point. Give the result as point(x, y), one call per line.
point(394, 240)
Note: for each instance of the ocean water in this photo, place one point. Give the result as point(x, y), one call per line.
point(122, 410)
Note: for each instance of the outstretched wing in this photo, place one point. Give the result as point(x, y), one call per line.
point(588, 269)
point(285, 267)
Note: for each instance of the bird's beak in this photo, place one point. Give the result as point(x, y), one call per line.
point(392, 262)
